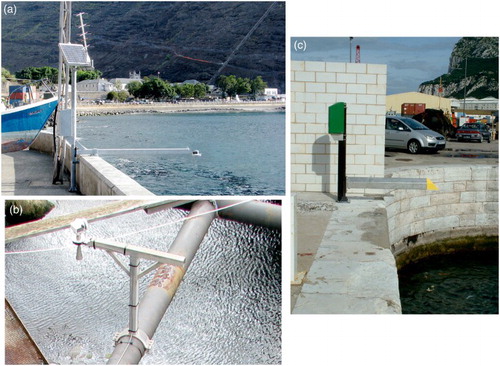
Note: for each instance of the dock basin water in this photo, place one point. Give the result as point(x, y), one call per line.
point(459, 283)
point(243, 153)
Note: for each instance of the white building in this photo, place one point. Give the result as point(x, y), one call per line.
point(98, 85)
point(271, 92)
point(121, 83)
point(485, 104)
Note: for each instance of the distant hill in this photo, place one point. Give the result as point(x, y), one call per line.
point(480, 55)
point(180, 40)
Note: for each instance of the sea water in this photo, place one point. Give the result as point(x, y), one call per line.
point(242, 153)
point(226, 311)
point(462, 283)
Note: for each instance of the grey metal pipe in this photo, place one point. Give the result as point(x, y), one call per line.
point(130, 349)
point(252, 212)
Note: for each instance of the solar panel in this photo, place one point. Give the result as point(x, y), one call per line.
point(75, 54)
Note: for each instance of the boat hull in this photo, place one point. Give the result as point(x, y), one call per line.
point(21, 125)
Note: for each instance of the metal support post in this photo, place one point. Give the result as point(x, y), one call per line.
point(293, 222)
point(129, 349)
point(79, 227)
point(73, 187)
point(134, 294)
point(341, 178)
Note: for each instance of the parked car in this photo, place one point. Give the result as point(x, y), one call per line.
point(406, 133)
point(474, 131)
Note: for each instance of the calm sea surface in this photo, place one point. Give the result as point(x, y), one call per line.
point(451, 284)
point(242, 153)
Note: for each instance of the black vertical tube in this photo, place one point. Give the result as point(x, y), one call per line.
point(341, 176)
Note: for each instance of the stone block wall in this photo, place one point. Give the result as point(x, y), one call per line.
point(466, 204)
point(314, 87)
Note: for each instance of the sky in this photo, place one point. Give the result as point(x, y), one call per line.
point(410, 60)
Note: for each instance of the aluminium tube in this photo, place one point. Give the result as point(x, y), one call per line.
point(129, 350)
point(251, 212)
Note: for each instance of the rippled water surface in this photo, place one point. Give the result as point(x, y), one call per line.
point(451, 284)
point(227, 310)
point(242, 153)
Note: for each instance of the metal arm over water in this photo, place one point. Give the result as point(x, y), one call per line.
point(132, 343)
point(144, 317)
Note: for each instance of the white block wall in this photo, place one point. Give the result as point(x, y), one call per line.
point(314, 87)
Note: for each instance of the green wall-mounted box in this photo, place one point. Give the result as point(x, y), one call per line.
point(336, 118)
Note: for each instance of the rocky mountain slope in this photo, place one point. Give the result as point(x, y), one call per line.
point(178, 40)
point(473, 69)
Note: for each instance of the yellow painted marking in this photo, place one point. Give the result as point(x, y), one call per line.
point(431, 186)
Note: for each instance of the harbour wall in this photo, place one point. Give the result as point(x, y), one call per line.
point(94, 176)
point(423, 223)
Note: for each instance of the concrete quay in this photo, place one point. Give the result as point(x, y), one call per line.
point(353, 271)
point(347, 253)
point(29, 173)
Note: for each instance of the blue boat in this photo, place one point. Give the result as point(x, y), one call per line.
point(21, 125)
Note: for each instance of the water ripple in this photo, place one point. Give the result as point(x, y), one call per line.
point(227, 310)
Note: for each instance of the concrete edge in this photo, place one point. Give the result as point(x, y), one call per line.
point(95, 176)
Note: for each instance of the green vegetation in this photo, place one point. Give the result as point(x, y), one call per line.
point(118, 96)
point(200, 90)
point(257, 86)
point(185, 90)
point(51, 74)
point(153, 87)
point(38, 73)
point(156, 88)
point(134, 88)
point(232, 85)
point(20, 211)
point(6, 75)
point(88, 75)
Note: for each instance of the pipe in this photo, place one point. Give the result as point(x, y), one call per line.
point(248, 212)
point(130, 348)
point(73, 187)
point(251, 212)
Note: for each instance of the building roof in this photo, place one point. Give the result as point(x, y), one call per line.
point(394, 101)
point(124, 80)
point(94, 81)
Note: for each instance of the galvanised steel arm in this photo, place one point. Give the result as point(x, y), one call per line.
point(251, 212)
point(248, 212)
point(129, 349)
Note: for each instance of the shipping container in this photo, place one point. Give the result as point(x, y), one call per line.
point(411, 109)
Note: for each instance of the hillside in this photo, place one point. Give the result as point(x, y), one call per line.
point(180, 40)
point(473, 68)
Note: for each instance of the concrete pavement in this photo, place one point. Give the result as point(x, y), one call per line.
point(29, 173)
point(353, 271)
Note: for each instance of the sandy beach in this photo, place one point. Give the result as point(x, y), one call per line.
point(130, 108)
